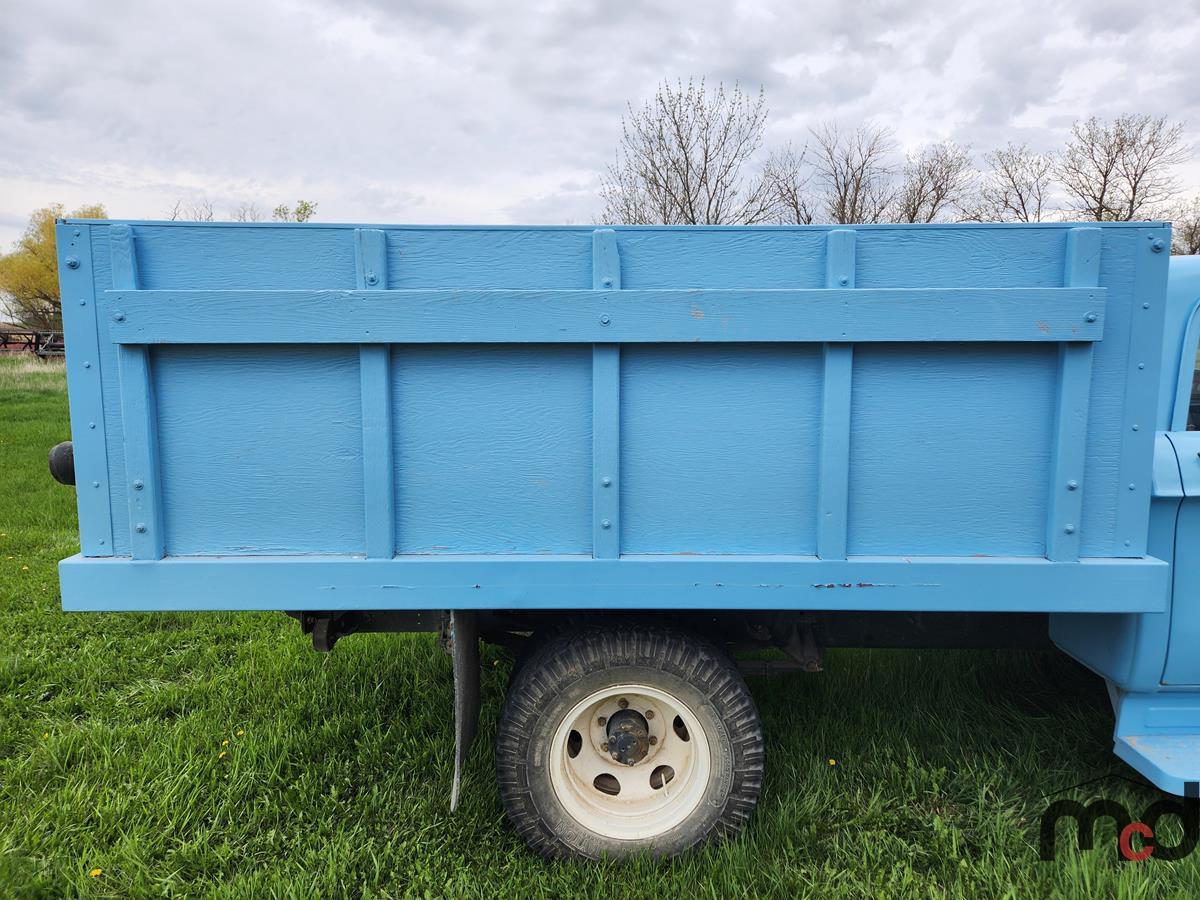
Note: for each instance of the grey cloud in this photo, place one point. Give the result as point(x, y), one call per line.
point(438, 111)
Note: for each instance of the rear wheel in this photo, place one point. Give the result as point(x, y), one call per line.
point(628, 739)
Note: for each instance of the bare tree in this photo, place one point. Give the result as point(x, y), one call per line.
point(1185, 229)
point(1015, 187)
point(197, 211)
point(937, 180)
point(1121, 170)
point(246, 212)
point(853, 173)
point(788, 178)
point(202, 211)
point(683, 159)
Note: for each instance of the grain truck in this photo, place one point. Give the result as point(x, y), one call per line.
point(631, 453)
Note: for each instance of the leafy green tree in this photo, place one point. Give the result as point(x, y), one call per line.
point(29, 275)
point(302, 212)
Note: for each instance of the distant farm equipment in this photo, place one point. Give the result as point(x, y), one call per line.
point(40, 343)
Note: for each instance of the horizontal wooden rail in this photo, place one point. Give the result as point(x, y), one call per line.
point(604, 316)
point(984, 584)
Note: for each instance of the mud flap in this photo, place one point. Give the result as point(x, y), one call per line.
point(463, 640)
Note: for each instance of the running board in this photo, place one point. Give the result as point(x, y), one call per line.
point(1159, 735)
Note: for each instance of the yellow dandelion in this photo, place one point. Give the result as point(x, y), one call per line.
point(95, 873)
point(240, 732)
point(225, 743)
point(24, 568)
point(221, 755)
point(45, 734)
point(833, 762)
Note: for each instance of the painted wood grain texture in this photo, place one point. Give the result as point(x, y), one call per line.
point(596, 316)
point(248, 257)
point(493, 449)
point(375, 371)
point(674, 582)
point(1141, 390)
point(963, 470)
point(261, 449)
point(139, 415)
point(1069, 448)
point(139, 411)
point(85, 390)
point(1116, 455)
point(606, 410)
point(719, 448)
point(181, 257)
point(114, 427)
point(834, 478)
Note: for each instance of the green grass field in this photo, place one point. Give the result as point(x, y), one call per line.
point(177, 754)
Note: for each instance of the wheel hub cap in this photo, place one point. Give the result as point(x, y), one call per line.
point(628, 737)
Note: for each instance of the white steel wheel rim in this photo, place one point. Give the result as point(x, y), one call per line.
point(651, 800)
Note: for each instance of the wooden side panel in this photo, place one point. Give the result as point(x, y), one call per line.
point(950, 449)
point(1112, 519)
point(261, 449)
point(719, 448)
point(270, 257)
point(493, 449)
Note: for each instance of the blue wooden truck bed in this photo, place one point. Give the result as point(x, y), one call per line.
point(876, 418)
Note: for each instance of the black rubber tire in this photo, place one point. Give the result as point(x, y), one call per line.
point(571, 665)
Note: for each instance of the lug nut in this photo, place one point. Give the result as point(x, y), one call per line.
point(602, 721)
point(649, 714)
point(623, 703)
point(653, 740)
point(604, 746)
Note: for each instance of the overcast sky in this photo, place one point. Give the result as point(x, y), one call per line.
point(428, 111)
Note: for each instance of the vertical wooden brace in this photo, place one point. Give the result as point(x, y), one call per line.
point(606, 411)
point(81, 329)
point(139, 413)
point(833, 492)
point(375, 370)
point(1065, 504)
